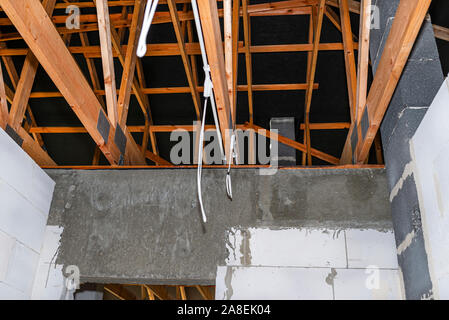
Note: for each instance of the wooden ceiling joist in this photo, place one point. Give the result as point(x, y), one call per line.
point(190, 128)
point(406, 25)
point(33, 23)
point(172, 49)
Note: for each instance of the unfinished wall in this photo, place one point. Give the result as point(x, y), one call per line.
point(309, 263)
point(430, 167)
point(25, 196)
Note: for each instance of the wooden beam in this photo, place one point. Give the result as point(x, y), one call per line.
point(292, 143)
point(311, 76)
point(158, 291)
point(120, 292)
point(231, 10)
point(142, 99)
point(258, 10)
point(157, 159)
point(29, 69)
point(184, 56)
point(4, 114)
point(406, 25)
point(212, 37)
point(129, 67)
point(249, 78)
point(351, 73)
point(96, 86)
point(354, 6)
point(228, 33)
point(173, 90)
point(182, 291)
point(333, 17)
point(205, 293)
point(34, 150)
point(363, 56)
point(235, 57)
point(170, 128)
point(107, 59)
point(31, 20)
point(306, 134)
point(441, 32)
point(31, 146)
point(172, 49)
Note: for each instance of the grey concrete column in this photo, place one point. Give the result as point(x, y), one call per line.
point(420, 81)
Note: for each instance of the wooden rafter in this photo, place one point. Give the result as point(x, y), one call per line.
point(158, 291)
point(107, 58)
point(14, 78)
point(311, 77)
point(36, 28)
point(119, 291)
point(185, 59)
point(348, 43)
point(249, 78)
point(129, 66)
point(406, 25)
point(3, 102)
point(29, 69)
point(309, 66)
point(292, 143)
point(231, 10)
point(363, 56)
point(213, 42)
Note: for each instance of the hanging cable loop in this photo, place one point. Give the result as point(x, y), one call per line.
point(150, 10)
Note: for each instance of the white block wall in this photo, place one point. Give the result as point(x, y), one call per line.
point(309, 263)
point(430, 149)
point(26, 192)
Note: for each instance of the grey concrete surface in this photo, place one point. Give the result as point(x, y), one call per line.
point(145, 226)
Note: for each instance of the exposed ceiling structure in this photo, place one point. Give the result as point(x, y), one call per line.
point(82, 97)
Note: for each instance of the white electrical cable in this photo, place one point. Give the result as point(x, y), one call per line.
point(228, 175)
point(208, 95)
point(207, 72)
point(200, 162)
point(148, 18)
